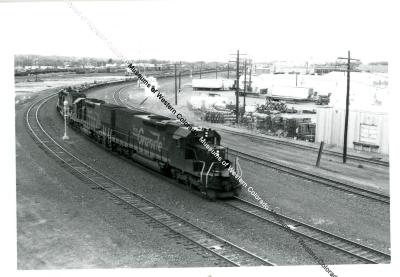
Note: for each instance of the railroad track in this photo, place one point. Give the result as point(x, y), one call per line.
point(118, 99)
point(221, 248)
point(305, 147)
point(355, 251)
point(381, 198)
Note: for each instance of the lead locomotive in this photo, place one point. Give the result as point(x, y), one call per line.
point(156, 141)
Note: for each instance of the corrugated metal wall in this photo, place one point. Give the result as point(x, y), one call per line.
point(330, 128)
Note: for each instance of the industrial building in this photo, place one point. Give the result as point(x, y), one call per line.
point(368, 117)
point(368, 131)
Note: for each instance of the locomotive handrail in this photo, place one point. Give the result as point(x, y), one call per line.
point(209, 169)
point(208, 172)
point(201, 173)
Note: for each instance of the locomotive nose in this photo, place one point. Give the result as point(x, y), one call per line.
point(227, 185)
point(224, 172)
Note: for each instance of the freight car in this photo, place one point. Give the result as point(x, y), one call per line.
point(156, 141)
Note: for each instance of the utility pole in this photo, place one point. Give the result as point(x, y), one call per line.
point(251, 67)
point(179, 82)
point(201, 66)
point(346, 122)
point(228, 70)
point(176, 90)
point(244, 88)
point(216, 70)
point(237, 87)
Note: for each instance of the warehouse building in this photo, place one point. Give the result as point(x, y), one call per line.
point(368, 131)
point(368, 118)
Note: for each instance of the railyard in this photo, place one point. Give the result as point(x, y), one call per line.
point(341, 210)
point(199, 138)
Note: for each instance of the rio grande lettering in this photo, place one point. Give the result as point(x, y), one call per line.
point(153, 144)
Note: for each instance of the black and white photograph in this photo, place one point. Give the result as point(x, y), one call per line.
point(210, 138)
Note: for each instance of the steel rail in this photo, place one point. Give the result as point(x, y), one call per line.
point(218, 246)
point(382, 198)
point(355, 250)
point(305, 147)
point(376, 196)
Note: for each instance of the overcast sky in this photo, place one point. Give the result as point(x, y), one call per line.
point(200, 30)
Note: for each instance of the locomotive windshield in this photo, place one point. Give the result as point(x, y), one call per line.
point(205, 146)
point(209, 155)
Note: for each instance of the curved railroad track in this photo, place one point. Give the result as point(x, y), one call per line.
point(221, 248)
point(306, 147)
point(355, 251)
point(118, 99)
point(379, 197)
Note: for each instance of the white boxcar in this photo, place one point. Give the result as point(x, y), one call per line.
point(371, 127)
point(212, 84)
point(298, 93)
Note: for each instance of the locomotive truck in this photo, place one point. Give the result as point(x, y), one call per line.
point(155, 141)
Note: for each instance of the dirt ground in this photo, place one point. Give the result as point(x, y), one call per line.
point(316, 204)
point(63, 223)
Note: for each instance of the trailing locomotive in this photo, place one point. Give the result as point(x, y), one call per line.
point(156, 141)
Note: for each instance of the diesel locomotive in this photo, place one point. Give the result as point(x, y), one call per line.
point(155, 141)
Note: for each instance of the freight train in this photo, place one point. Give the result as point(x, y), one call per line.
point(155, 141)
